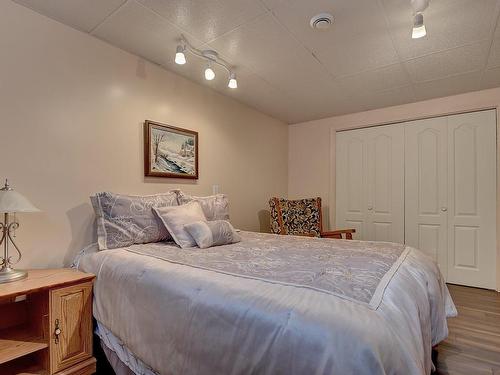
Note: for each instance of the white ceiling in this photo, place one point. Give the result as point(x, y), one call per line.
point(366, 60)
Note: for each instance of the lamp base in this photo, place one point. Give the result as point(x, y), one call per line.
point(8, 275)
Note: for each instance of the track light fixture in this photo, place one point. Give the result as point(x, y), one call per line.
point(211, 57)
point(419, 30)
point(180, 58)
point(209, 73)
point(233, 83)
point(419, 6)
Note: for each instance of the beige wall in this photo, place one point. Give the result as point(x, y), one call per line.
point(311, 154)
point(71, 112)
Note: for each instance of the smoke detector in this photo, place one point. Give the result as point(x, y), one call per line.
point(321, 21)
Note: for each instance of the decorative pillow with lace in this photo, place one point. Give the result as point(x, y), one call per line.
point(212, 233)
point(124, 220)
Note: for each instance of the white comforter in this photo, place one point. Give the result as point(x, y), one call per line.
point(185, 319)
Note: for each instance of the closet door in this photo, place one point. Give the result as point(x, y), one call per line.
point(351, 180)
point(385, 183)
point(426, 164)
point(370, 182)
point(472, 199)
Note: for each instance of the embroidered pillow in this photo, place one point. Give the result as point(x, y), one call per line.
point(212, 233)
point(124, 220)
point(175, 218)
point(215, 207)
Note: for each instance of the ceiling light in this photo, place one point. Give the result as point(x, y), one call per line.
point(210, 56)
point(418, 26)
point(180, 58)
point(233, 83)
point(209, 73)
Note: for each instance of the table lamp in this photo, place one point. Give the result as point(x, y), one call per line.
point(11, 202)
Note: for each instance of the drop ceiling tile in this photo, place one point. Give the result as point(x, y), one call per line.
point(271, 4)
point(206, 19)
point(358, 40)
point(449, 24)
point(363, 52)
point(494, 59)
point(252, 90)
point(271, 52)
point(388, 98)
point(140, 31)
point(491, 78)
point(83, 15)
point(385, 78)
point(257, 93)
point(443, 64)
point(448, 86)
point(320, 104)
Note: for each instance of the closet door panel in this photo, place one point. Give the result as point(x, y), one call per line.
point(351, 182)
point(426, 187)
point(385, 186)
point(472, 199)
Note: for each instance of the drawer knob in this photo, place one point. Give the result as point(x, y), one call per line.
point(57, 331)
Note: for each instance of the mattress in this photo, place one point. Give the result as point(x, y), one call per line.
point(341, 307)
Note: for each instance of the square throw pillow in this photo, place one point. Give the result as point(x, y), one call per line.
point(215, 207)
point(175, 218)
point(212, 233)
point(124, 220)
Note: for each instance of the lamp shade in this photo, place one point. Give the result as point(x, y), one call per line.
point(12, 201)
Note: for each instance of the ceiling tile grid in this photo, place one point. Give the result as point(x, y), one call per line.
point(451, 62)
point(448, 86)
point(83, 15)
point(366, 60)
point(207, 19)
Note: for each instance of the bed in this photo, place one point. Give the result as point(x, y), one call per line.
point(270, 304)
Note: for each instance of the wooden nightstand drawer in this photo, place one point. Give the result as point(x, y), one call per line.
point(70, 325)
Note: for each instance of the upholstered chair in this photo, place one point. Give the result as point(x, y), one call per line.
point(301, 217)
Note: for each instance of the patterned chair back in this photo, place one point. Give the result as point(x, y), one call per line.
point(300, 217)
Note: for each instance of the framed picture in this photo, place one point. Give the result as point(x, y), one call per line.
point(170, 151)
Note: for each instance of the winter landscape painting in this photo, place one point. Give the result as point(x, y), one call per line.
point(170, 151)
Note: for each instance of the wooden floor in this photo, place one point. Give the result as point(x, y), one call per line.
point(473, 345)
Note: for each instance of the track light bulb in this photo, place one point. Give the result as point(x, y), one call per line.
point(419, 30)
point(209, 73)
point(233, 83)
point(180, 58)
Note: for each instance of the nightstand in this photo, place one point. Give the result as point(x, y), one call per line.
point(46, 324)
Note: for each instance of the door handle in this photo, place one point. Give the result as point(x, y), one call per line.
point(370, 208)
point(444, 209)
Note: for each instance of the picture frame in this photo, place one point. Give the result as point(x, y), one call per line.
point(170, 151)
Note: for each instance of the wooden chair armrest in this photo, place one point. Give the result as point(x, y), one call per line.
point(338, 233)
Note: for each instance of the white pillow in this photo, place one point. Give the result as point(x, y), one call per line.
point(174, 218)
point(212, 233)
point(215, 207)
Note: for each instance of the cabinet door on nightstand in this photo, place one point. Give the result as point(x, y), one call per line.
point(71, 326)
